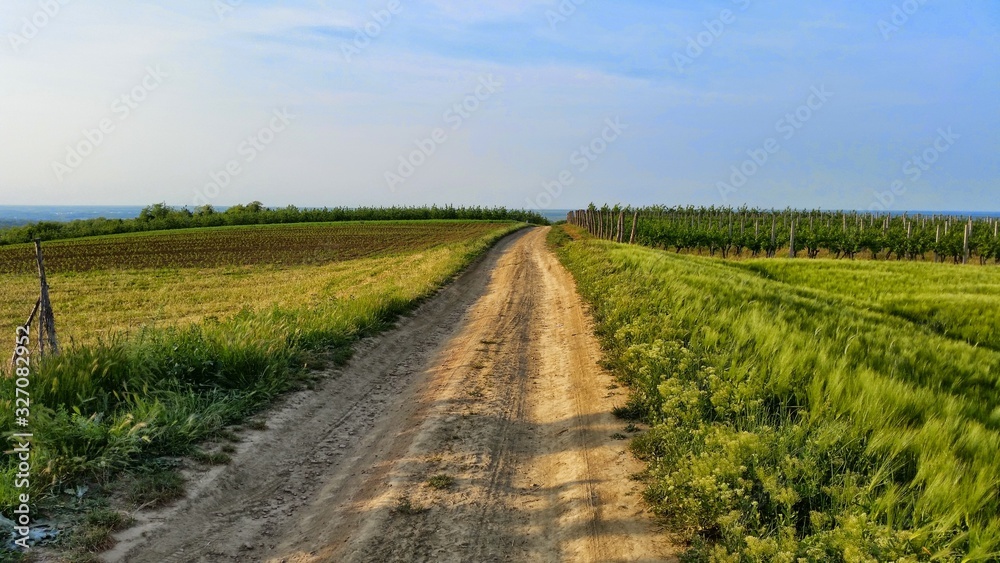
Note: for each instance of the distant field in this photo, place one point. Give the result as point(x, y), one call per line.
point(104, 285)
point(286, 245)
point(808, 409)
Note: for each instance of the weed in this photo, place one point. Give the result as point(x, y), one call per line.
point(633, 409)
point(229, 435)
point(406, 507)
point(257, 424)
point(156, 488)
point(441, 482)
point(211, 458)
point(94, 533)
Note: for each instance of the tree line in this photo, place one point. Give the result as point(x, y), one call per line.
point(160, 217)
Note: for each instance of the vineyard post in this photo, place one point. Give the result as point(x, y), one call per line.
point(774, 236)
point(791, 240)
point(635, 221)
point(46, 320)
point(937, 244)
point(965, 245)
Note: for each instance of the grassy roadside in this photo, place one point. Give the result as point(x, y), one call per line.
point(800, 421)
point(118, 403)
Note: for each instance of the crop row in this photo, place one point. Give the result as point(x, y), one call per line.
point(282, 245)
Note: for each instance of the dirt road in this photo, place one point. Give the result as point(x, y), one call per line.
point(493, 384)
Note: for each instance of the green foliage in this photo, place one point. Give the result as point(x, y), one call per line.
point(160, 217)
point(758, 232)
point(805, 419)
point(441, 482)
point(94, 533)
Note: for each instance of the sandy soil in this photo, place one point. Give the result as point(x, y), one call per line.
point(494, 382)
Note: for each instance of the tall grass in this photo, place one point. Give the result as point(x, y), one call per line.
point(107, 405)
point(797, 423)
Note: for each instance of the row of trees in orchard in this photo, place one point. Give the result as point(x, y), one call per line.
point(750, 232)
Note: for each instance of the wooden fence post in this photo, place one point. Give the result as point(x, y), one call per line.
point(46, 320)
point(635, 220)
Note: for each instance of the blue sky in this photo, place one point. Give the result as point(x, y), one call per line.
point(558, 103)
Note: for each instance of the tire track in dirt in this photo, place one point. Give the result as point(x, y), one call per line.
point(493, 383)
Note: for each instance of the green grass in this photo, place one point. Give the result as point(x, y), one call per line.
point(94, 533)
point(796, 412)
point(157, 360)
point(958, 303)
point(441, 482)
point(156, 487)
